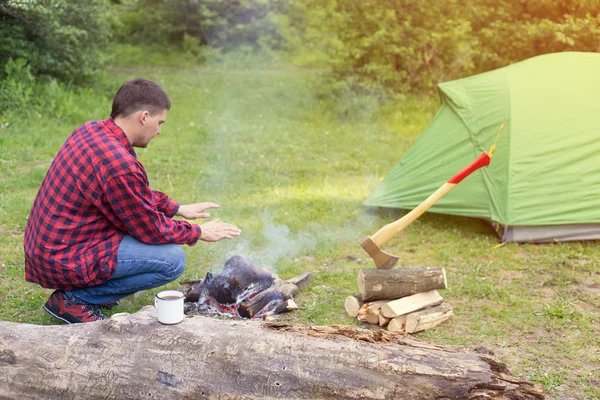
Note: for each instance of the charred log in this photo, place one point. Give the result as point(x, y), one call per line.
point(242, 290)
point(237, 276)
point(269, 299)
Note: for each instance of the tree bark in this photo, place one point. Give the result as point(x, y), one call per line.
point(131, 356)
point(390, 284)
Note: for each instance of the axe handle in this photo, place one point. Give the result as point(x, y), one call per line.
point(392, 229)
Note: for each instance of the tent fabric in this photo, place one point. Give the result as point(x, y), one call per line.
point(550, 233)
point(545, 171)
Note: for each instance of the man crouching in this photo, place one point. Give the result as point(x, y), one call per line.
point(97, 232)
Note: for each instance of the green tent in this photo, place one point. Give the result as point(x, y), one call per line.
point(543, 182)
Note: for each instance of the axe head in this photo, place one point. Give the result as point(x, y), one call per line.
point(382, 259)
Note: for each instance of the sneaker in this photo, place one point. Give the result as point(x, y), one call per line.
point(63, 308)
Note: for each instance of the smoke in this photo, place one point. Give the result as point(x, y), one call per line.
point(253, 124)
point(280, 242)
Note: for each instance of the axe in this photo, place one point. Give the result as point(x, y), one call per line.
point(372, 244)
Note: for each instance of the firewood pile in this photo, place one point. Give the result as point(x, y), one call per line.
point(403, 299)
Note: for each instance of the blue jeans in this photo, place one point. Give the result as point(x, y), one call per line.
point(139, 267)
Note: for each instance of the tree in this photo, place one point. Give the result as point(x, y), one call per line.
point(399, 44)
point(411, 45)
point(223, 25)
point(508, 31)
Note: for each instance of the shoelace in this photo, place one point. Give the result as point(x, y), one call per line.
point(68, 302)
point(94, 311)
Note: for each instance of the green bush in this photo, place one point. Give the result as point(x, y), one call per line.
point(15, 89)
point(22, 96)
point(63, 39)
point(131, 55)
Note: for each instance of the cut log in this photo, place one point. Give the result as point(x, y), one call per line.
point(381, 284)
point(134, 356)
point(397, 324)
point(421, 320)
point(373, 316)
point(362, 313)
point(363, 309)
point(373, 311)
point(352, 304)
point(412, 303)
point(427, 318)
point(383, 321)
point(369, 312)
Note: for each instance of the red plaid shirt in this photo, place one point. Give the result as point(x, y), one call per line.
point(95, 192)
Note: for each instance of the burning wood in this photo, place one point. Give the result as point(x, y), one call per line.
point(242, 291)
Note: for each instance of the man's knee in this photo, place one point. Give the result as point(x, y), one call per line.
point(175, 256)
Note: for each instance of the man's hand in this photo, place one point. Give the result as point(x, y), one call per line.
point(196, 210)
point(216, 230)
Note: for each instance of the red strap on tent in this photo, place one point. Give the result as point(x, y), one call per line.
point(482, 161)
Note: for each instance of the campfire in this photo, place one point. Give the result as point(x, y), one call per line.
point(242, 290)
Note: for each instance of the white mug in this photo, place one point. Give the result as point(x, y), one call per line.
point(169, 306)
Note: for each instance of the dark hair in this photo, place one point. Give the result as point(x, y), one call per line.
point(139, 94)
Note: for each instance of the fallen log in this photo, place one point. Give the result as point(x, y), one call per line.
point(134, 356)
point(382, 284)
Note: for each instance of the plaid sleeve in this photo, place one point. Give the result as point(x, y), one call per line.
point(165, 204)
point(132, 206)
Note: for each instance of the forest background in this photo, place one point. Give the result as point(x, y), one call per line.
point(370, 48)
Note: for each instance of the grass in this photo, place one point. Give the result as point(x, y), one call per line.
point(292, 175)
